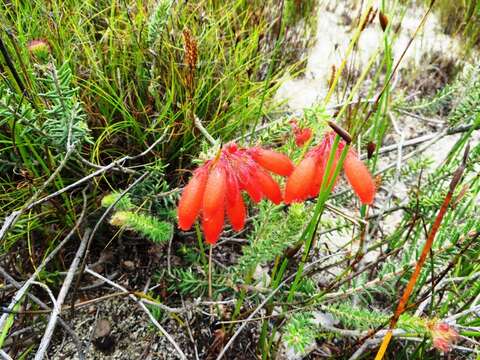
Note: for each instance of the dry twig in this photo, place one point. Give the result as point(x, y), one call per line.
point(24, 288)
point(40, 303)
point(47, 336)
point(144, 308)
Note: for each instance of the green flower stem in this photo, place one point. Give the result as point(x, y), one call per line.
point(201, 247)
point(309, 233)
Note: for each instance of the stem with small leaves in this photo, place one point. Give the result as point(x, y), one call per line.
point(423, 256)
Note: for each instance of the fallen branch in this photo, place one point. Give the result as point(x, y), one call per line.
point(40, 303)
point(11, 219)
point(24, 288)
point(60, 299)
point(144, 308)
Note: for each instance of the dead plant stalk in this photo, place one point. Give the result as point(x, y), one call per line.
point(423, 256)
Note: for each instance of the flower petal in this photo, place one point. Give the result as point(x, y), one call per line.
point(332, 168)
point(317, 178)
point(233, 188)
point(300, 182)
point(236, 212)
point(359, 178)
point(268, 186)
point(215, 191)
point(273, 161)
point(252, 187)
point(212, 225)
point(191, 199)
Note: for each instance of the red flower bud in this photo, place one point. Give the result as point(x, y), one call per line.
point(275, 162)
point(215, 191)
point(269, 187)
point(359, 178)
point(191, 199)
point(212, 225)
point(302, 136)
point(317, 178)
point(231, 147)
point(299, 184)
point(252, 187)
point(236, 212)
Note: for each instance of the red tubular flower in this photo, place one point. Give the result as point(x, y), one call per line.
point(250, 185)
point(317, 179)
point(215, 191)
point(359, 178)
point(236, 212)
point(217, 187)
point(232, 188)
point(332, 171)
point(275, 162)
point(269, 187)
point(302, 136)
point(307, 178)
point(212, 226)
point(191, 200)
point(299, 184)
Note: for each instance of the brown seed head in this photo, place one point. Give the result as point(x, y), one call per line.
point(190, 49)
point(341, 132)
point(371, 149)
point(383, 20)
point(191, 57)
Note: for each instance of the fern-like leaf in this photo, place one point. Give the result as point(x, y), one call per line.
point(158, 20)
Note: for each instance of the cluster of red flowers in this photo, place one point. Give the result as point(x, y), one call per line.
point(216, 186)
point(307, 178)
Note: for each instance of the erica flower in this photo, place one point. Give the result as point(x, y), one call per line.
point(216, 188)
point(443, 336)
point(359, 178)
point(308, 176)
point(302, 135)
